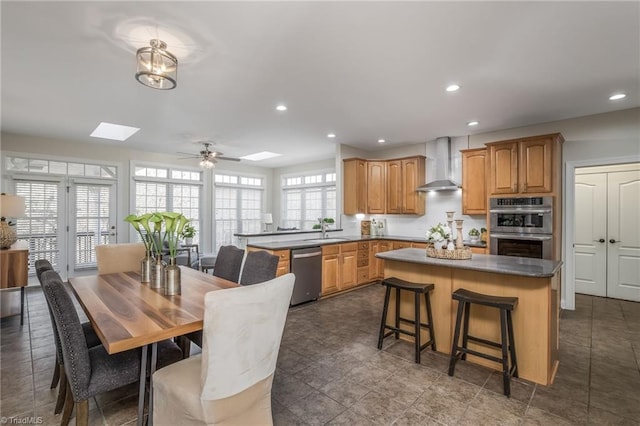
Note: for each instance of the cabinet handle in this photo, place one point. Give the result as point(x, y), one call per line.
point(612, 241)
point(601, 240)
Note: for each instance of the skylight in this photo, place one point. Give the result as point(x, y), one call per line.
point(264, 155)
point(114, 132)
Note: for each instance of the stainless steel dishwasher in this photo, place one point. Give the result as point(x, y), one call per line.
point(306, 264)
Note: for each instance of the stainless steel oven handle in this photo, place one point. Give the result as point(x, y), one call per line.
point(516, 211)
point(523, 237)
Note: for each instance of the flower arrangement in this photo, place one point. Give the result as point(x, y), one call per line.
point(438, 233)
point(157, 228)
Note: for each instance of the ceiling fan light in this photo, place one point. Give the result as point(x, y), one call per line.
point(156, 67)
point(207, 163)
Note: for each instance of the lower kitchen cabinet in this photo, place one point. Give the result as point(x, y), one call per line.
point(376, 266)
point(348, 266)
point(479, 250)
point(330, 269)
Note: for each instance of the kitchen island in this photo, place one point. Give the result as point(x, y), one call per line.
point(535, 282)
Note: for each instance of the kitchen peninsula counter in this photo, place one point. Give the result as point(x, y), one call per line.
point(535, 282)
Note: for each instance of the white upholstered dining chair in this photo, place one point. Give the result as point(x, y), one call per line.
point(230, 382)
point(112, 258)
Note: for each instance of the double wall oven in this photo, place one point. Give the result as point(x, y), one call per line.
point(522, 227)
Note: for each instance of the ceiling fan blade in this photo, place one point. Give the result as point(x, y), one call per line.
point(228, 158)
point(189, 157)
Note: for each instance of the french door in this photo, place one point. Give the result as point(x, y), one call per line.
point(93, 208)
point(65, 219)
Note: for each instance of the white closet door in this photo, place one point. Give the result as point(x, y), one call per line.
point(624, 235)
point(590, 243)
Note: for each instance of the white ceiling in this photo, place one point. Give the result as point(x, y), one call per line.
point(363, 70)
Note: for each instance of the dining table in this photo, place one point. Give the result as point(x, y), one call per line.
point(128, 314)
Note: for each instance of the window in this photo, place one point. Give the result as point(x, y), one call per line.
point(306, 198)
point(168, 189)
point(238, 206)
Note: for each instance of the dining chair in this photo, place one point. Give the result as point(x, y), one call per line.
point(228, 263)
point(259, 266)
point(91, 371)
point(123, 257)
point(230, 381)
point(59, 376)
point(227, 266)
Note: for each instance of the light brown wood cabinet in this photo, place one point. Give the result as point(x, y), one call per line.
point(524, 166)
point(339, 267)
point(376, 195)
point(474, 181)
point(330, 269)
point(363, 262)
point(478, 250)
point(379, 187)
point(403, 178)
point(355, 186)
point(376, 266)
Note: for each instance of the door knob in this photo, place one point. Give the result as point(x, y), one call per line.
point(612, 241)
point(601, 240)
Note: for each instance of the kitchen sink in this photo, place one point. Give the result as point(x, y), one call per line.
point(326, 240)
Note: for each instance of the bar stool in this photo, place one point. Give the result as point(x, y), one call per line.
point(506, 304)
point(417, 290)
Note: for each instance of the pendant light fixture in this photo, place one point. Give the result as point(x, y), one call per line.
point(156, 67)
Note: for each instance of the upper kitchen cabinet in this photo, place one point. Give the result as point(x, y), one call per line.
point(376, 195)
point(474, 181)
point(379, 187)
point(404, 176)
point(525, 166)
point(355, 186)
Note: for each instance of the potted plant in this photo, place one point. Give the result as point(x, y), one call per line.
point(474, 234)
point(327, 220)
point(439, 235)
point(188, 232)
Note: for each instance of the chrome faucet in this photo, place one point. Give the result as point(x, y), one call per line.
point(323, 227)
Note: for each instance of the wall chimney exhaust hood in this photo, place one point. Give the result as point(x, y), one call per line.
point(444, 169)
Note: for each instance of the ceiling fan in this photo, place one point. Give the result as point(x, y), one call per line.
point(208, 158)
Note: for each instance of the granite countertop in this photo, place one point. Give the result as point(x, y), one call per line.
point(522, 266)
point(315, 242)
point(290, 232)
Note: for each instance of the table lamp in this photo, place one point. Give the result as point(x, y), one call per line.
point(10, 206)
point(267, 219)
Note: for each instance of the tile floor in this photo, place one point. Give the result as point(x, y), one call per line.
point(330, 372)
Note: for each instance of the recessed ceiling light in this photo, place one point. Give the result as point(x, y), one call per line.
point(473, 123)
point(453, 88)
point(281, 107)
point(617, 96)
point(115, 132)
point(264, 155)
point(331, 135)
point(381, 141)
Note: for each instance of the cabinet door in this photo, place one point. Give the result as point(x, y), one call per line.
point(375, 192)
point(503, 160)
point(348, 270)
point(373, 260)
point(355, 186)
point(384, 246)
point(478, 250)
point(394, 187)
point(412, 177)
point(535, 165)
point(400, 245)
point(474, 181)
point(330, 270)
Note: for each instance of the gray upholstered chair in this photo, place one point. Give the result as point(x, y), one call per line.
point(124, 257)
point(59, 376)
point(91, 371)
point(259, 266)
point(228, 263)
point(230, 382)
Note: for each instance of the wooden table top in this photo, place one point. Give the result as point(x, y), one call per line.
point(127, 314)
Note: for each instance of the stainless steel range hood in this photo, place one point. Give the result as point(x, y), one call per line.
point(444, 169)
